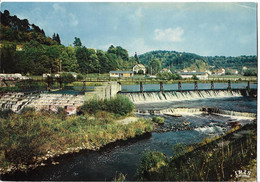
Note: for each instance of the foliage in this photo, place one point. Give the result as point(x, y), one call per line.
point(67, 78)
point(16, 30)
point(77, 42)
point(249, 73)
point(150, 165)
point(158, 120)
point(182, 60)
point(120, 178)
point(213, 160)
point(30, 134)
point(80, 77)
point(120, 105)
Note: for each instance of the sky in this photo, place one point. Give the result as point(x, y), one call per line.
point(207, 29)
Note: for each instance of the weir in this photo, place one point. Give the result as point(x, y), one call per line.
point(158, 96)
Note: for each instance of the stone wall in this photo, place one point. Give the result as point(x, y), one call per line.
point(106, 91)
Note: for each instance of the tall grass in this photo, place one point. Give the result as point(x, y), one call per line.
point(28, 135)
point(214, 161)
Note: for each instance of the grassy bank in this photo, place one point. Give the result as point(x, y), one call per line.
point(211, 160)
point(31, 137)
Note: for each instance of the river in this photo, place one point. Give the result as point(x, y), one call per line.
point(125, 157)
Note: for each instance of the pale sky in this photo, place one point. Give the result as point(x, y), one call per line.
point(207, 29)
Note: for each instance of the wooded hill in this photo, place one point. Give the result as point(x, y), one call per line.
point(182, 60)
point(26, 49)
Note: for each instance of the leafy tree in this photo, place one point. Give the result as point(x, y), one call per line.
point(68, 59)
point(155, 66)
point(77, 42)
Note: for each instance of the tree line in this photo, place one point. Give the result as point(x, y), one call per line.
point(176, 61)
point(16, 30)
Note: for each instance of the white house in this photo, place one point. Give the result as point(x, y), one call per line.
point(139, 67)
point(121, 73)
point(200, 75)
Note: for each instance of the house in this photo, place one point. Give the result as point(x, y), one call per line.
point(139, 67)
point(13, 76)
point(165, 70)
point(200, 75)
point(219, 72)
point(121, 73)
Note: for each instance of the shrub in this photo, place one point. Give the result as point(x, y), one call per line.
point(92, 106)
point(80, 77)
point(6, 113)
point(67, 78)
point(149, 167)
point(120, 104)
point(158, 120)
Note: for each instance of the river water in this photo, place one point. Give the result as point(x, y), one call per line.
point(125, 157)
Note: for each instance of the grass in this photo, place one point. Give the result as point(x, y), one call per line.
point(212, 160)
point(28, 135)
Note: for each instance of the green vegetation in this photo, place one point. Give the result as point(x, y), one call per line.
point(158, 120)
point(212, 160)
point(150, 163)
point(30, 134)
point(26, 49)
point(120, 105)
point(182, 60)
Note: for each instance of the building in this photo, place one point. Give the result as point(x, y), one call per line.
point(139, 67)
point(165, 70)
point(200, 75)
point(121, 73)
point(57, 75)
point(13, 76)
point(219, 72)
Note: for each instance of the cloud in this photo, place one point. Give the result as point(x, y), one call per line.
point(73, 20)
point(59, 9)
point(169, 34)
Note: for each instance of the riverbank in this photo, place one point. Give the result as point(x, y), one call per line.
point(31, 139)
point(218, 159)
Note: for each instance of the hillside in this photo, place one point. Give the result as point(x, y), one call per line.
point(182, 60)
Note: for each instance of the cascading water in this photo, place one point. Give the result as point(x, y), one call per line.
point(180, 96)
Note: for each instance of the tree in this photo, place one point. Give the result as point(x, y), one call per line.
point(68, 60)
point(155, 66)
point(77, 42)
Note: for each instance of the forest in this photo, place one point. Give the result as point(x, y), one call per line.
point(182, 60)
point(40, 54)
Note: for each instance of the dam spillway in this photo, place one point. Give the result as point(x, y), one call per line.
point(150, 97)
point(16, 101)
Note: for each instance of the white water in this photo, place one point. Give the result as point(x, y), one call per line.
point(17, 101)
point(210, 130)
point(151, 97)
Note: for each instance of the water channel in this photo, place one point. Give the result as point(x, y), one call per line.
point(125, 157)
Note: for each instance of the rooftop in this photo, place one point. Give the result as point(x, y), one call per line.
point(121, 72)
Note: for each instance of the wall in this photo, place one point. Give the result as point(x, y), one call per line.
point(106, 91)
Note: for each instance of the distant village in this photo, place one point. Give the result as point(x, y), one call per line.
point(185, 74)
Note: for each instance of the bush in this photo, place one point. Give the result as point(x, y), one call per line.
point(158, 120)
point(67, 78)
point(149, 167)
point(80, 77)
point(6, 113)
point(120, 105)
